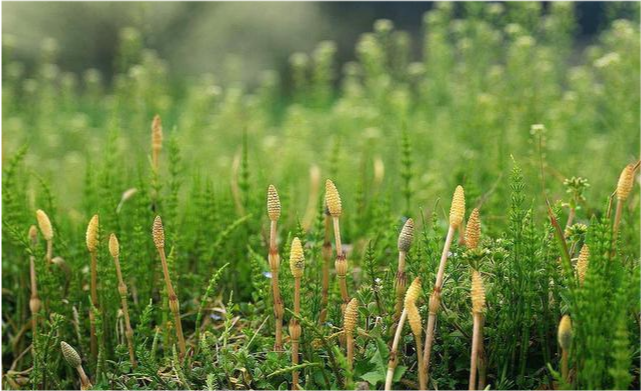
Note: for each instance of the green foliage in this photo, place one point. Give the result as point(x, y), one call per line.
point(396, 134)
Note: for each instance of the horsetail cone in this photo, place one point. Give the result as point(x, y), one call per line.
point(351, 316)
point(273, 203)
point(114, 246)
point(92, 233)
point(70, 354)
point(626, 182)
point(333, 199)
point(406, 236)
point(565, 332)
point(473, 230)
point(297, 259)
point(478, 293)
point(582, 262)
point(414, 318)
point(457, 210)
point(45, 224)
point(413, 292)
point(158, 232)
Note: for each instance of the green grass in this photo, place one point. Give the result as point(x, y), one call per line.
point(466, 111)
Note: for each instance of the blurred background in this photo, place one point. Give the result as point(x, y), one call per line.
point(233, 40)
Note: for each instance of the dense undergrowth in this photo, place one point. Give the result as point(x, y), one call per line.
point(501, 102)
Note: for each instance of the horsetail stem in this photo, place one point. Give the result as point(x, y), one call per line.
point(34, 301)
point(327, 259)
point(273, 211)
point(72, 358)
point(404, 243)
point(349, 325)
point(411, 296)
point(565, 341)
point(335, 208)
point(457, 213)
point(47, 232)
point(92, 247)
point(296, 265)
point(158, 234)
point(114, 250)
point(478, 307)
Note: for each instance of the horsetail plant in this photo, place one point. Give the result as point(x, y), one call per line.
point(565, 341)
point(404, 243)
point(416, 324)
point(273, 211)
point(92, 247)
point(114, 250)
point(72, 358)
point(34, 301)
point(158, 233)
point(297, 266)
point(47, 232)
point(411, 296)
point(350, 320)
point(457, 213)
point(335, 208)
point(327, 259)
point(478, 307)
point(624, 188)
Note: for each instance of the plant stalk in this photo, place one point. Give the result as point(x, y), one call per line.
point(393, 360)
point(129, 333)
point(327, 258)
point(274, 263)
point(475, 350)
point(174, 305)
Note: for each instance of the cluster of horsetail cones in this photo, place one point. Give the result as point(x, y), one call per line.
point(408, 303)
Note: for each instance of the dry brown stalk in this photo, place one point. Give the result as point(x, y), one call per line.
point(158, 234)
point(273, 211)
point(114, 250)
point(457, 213)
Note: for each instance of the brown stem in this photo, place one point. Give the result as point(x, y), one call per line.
point(174, 305)
point(422, 379)
point(34, 303)
point(570, 218)
point(350, 358)
point(482, 358)
point(49, 255)
point(435, 303)
point(401, 282)
point(274, 263)
point(475, 350)
point(327, 258)
point(129, 333)
point(393, 361)
point(295, 362)
point(337, 236)
point(85, 384)
point(94, 302)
